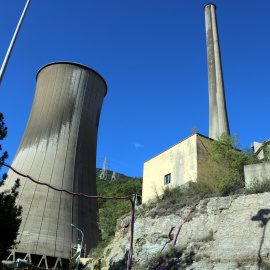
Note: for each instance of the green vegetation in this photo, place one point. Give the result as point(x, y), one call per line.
point(266, 151)
point(10, 214)
point(111, 210)
point(173, 258)
point(259, 186)
point(226, 164)
point(72, 264)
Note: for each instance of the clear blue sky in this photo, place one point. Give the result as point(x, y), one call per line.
point(152, 55)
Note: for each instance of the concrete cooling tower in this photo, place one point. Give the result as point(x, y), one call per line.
point(59, 147)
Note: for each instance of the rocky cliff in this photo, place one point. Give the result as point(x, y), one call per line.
point(222, 233)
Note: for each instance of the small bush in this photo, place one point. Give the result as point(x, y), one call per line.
point(170, 256)
point(223, 183)
point(259, 186)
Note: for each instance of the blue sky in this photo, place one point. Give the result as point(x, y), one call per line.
point(152, 55)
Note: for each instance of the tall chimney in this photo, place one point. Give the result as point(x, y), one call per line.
point(218, 119)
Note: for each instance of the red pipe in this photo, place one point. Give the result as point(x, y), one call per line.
point(185, 221)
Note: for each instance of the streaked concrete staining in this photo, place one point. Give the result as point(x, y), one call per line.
point(218, 119)
point(59, 147)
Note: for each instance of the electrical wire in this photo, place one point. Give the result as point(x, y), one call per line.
point(91, 197)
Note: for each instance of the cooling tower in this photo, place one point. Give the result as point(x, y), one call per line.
point(59, 147)
point(218, 119)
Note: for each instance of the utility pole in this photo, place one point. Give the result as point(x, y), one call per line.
point(114, 176)
point(103, 173)
point(5, 62)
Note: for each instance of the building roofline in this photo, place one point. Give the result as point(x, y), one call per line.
point(261, 147)
point(180, 142)
point(75, 64)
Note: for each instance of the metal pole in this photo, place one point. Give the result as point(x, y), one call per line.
point(80, 249)
point(132, 230)
point(78, 263)
point(5, 62)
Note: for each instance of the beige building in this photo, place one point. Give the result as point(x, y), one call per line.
point(183, 162)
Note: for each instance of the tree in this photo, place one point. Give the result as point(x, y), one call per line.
point(111, 210)
point(10, 213)
point(227, 172)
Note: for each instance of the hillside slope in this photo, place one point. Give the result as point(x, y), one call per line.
point(223, 233)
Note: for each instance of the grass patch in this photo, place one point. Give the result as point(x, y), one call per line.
point(259, 186)
point(167, 258)
point(174, 199)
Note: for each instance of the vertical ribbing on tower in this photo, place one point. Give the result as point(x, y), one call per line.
point(218, 118)
point(59, 148)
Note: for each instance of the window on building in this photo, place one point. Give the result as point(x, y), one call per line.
point(167, 179)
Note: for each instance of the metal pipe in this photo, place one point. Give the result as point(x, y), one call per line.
point(5, 62)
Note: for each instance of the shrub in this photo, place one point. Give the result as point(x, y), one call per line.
point(259, 186)
point(108, 215)
point(111, 210)
point(226, 164)
point(170, 258)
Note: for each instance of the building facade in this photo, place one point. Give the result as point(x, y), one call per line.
point(176, 166)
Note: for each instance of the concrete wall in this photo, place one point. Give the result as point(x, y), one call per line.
point(218, 118)
point(256, 171)
point(203, 165)
point(59, 147)
point(180, 161)
point(185, 161)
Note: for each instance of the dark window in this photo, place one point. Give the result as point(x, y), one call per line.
point(167, 179)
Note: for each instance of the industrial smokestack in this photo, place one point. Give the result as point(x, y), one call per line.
point(218, 119)
point(59, 147)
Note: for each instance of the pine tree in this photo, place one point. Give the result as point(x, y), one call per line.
point(10, 213)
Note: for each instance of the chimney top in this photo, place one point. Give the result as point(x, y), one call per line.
point(210, 4)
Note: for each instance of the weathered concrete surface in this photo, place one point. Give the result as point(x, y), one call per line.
point(186, 161)
point(59, 147)
point(224, 233)
point(218, 119)
point(256, 172)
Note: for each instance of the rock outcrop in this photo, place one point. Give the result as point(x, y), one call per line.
point(222, 233)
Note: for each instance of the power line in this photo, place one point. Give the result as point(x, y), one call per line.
point(133, 202)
